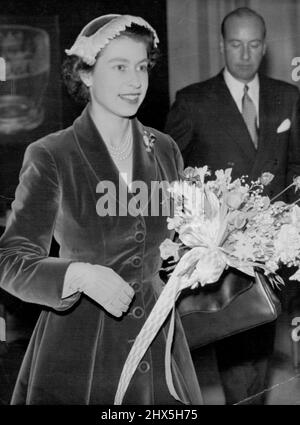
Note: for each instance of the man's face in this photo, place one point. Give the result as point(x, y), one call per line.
point(243, 46)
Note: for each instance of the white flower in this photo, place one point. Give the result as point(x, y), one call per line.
point(234, 199)
point(272, 266)
point(202, 172)
point(287, 243)
point(240, 220)
point(236, 217)
point(296, 182)
point(295, 216)
point(266, 178)
point(209, 268)
point(244, 247)
point(168, 249)
point(295, 276)
point(223, 177)
point(174, 222)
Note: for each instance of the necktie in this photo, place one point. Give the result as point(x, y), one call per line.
point(249, 115)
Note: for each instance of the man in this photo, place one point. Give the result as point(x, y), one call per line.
point(246, 121)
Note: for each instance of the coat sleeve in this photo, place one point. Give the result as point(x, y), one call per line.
point(179, 124)
point(293, 165)
point(26, 270)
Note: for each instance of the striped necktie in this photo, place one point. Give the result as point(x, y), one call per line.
point(249, 115)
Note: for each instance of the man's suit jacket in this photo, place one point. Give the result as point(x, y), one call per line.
point(209, 129)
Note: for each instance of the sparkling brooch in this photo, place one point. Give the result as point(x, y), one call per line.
point(149, 140)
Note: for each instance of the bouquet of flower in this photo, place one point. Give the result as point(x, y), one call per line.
point(222, 223)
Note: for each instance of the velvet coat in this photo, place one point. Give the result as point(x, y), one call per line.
point(77, 350)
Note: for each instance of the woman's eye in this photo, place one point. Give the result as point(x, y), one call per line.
point(120, 67)
point(144, 67)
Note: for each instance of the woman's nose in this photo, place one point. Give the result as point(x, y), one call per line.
point(134, 79)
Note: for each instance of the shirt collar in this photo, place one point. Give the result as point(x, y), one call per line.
point(236, 88)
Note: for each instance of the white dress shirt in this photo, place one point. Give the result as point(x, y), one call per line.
point(236, 89)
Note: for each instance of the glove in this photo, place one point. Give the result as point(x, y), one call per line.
point(100, 283)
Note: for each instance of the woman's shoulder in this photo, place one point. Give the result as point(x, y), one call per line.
point(52, 148)
point(52, 142)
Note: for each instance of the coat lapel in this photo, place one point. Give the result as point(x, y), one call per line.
point(269, 102)
point(102, 166)
point(144, 162)
point(268, 113)
point(229, 117)
point(145, 167)
point(93, 149)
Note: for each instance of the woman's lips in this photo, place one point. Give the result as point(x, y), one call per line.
point(130, 97)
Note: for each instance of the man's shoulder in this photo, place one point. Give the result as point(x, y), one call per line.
point(279, 85)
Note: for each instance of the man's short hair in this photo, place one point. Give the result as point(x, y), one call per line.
point(243, 12)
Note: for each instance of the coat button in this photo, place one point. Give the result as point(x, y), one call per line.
point(144, 367)
point(139, 236)
point(138, 312)
point(136, 286)
point(136, 261)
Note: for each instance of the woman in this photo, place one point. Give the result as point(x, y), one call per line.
point(100, 290)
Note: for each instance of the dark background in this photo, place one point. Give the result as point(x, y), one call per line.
point(70, 17)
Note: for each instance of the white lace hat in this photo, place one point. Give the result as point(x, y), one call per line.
point(87, 47)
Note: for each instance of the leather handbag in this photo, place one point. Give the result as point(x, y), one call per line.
point(235, 303)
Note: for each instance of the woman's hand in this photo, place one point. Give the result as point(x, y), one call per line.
point(108, 289)
point(100, 283)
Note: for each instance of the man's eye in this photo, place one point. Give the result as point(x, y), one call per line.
point(235, 45)
point(255, 45)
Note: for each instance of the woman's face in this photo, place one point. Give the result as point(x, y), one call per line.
point(119, 80)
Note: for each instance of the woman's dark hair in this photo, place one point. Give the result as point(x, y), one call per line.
point(73, 64)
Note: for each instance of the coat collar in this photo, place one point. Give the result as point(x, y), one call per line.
point(98, 159)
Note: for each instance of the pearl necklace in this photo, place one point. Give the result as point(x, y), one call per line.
point(125, 150)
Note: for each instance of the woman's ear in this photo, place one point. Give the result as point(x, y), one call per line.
point(86, 77)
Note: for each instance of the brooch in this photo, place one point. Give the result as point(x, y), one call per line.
point(149, 140)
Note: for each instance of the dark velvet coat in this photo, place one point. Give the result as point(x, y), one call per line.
point(77, 350)
point(209, 130)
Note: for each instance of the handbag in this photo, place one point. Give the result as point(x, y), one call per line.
point(236, 303)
